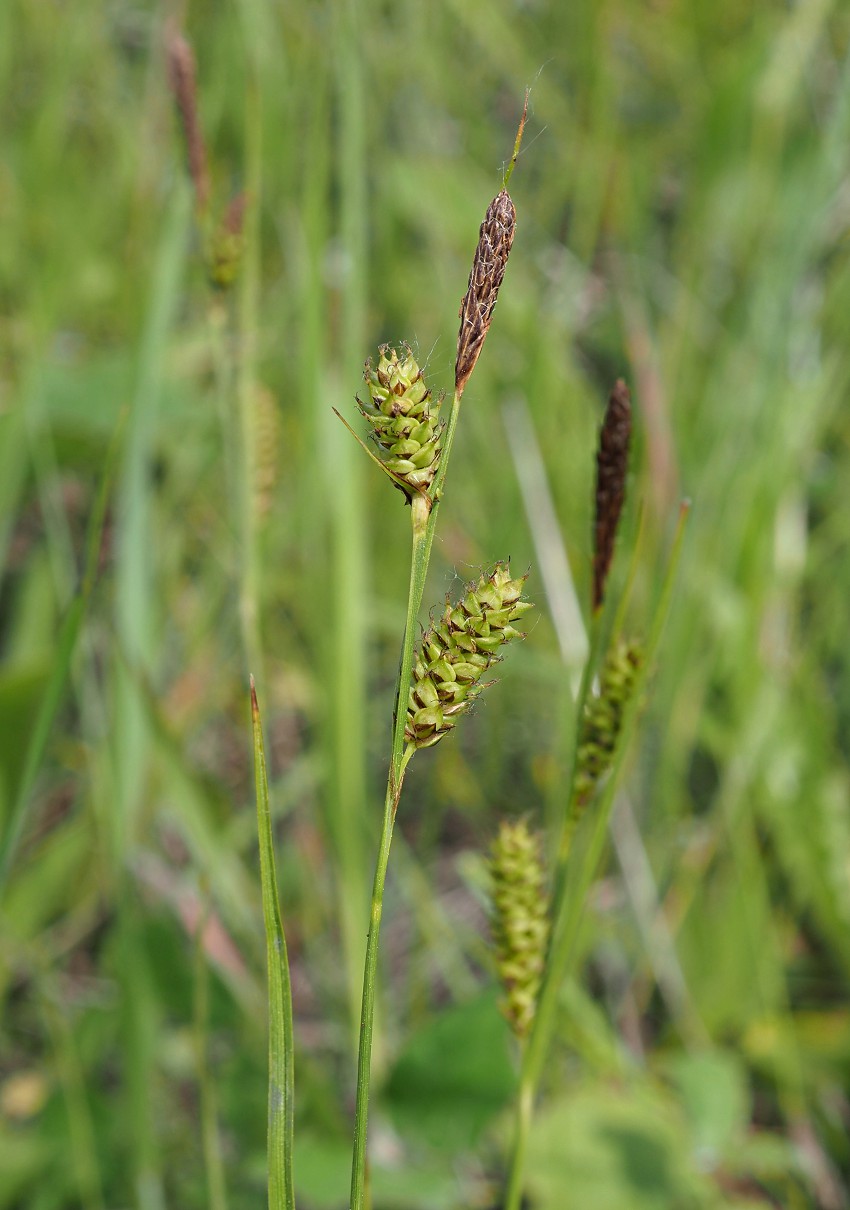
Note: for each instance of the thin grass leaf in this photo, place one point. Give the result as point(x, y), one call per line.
point(65, 647)
point(281, 1056)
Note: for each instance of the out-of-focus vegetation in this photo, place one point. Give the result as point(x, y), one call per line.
point(683, 204)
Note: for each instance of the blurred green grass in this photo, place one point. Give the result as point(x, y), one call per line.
point(683, 217)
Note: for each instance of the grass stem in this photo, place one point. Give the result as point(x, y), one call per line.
point(421, 518)
point(575, 870)
point(522, 1129)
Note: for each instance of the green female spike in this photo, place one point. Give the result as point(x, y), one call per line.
point(520, 921)
point(457, 650)
point(404, 419)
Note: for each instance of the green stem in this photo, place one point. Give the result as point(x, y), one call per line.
point(281, 1045)
point(436, 494)
point(424, 509)
point(421, 517)
point(522, 1129)
point(574, 872)
point(367, 1013)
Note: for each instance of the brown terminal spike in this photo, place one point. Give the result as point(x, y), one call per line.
point(495, 238)
point(488, 270)
point(612, 461)
point(182, 77)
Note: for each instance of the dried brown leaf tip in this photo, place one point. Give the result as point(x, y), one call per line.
point(495, 238)
point(612, 460)
point(183, 79)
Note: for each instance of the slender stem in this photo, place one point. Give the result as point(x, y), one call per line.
point(367, 1014)
point(424, 509)
point(522, 1129)
point(574, 873)
point(439, 478)
point(420, 515)
point(422, 520)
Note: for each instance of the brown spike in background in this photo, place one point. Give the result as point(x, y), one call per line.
point(182, 77)
point(612, 461)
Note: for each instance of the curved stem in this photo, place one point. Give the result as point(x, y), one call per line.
point(421, 515)
point(423, 509)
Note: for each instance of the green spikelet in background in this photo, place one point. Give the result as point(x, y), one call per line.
point(457, 650)
point(226, 245)
point(404, 418)
point(520, 920)
point(603, 718)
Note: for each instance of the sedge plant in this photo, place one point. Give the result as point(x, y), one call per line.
point(537, 906)
point(438, 682)
point(439, 678)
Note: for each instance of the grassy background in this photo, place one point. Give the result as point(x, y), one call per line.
point(683, 221)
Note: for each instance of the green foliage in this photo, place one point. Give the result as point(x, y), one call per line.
point(681, 221)
point(453, 1076)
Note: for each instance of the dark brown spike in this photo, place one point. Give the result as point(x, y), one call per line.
point(612, 460)
point(488, 269)
point(182, 76)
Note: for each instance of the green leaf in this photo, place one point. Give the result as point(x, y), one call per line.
point(54, 692)
point(612, 1147)
point(454, 1076)
point(713, 1086)
point(281, 1047)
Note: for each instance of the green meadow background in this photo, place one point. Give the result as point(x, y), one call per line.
point(179, 507)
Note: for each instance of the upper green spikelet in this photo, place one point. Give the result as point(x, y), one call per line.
point(457, 650)
point(404, 418)
point(603, 717)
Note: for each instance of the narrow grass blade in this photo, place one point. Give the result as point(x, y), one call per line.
point(54, 692)
point(281, 1058)
point(210, 1134)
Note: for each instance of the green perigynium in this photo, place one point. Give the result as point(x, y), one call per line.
point(457, 650)
point(603, 717)
point(404, 418)
point(520, 920)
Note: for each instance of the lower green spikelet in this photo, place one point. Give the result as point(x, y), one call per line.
point(457, 650)
point(520, 921)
